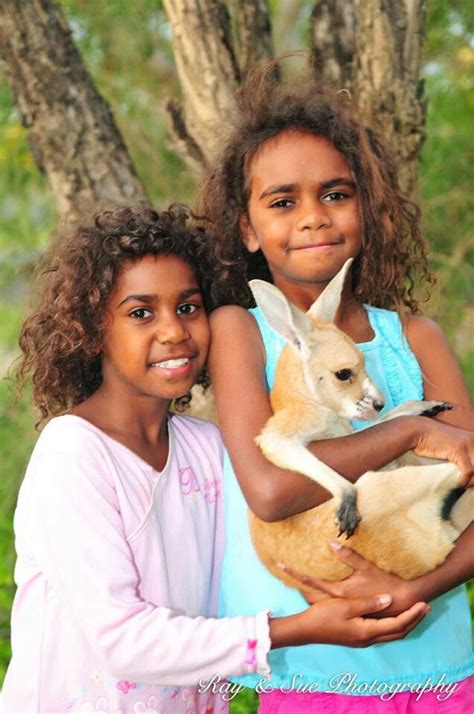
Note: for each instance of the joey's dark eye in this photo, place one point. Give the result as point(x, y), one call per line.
point(344, 374)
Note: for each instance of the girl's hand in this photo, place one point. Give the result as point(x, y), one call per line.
point(436, 440)
point(338, 621)
point(366, 580)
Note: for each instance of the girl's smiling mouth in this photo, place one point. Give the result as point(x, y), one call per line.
point(326, 245)
point(174, 366)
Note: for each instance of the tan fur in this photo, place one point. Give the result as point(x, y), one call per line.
point(401, 529)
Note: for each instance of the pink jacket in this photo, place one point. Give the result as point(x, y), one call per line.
point(117, 577)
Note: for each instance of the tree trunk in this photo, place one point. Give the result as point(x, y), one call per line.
point(373, 49)
point(73, 136)
point(205, 47)
point(253, 33)
point(368, 46)
point(333, 41)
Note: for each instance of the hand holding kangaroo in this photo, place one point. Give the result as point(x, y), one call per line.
point(404, 519)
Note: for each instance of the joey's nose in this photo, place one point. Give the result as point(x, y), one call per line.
point(378, 406)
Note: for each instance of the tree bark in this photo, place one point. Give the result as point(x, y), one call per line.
point(205, 47)
point(381, 50)
point(72, 133)
point(253, 33)
point(333, 41)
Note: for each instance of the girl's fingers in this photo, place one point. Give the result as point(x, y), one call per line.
point(312, 597)
point(349, 556)
point(360, 606)
point(306, 580)
point(398, 627)
point(466, 467)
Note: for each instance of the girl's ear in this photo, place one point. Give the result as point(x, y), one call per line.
point(249, 239)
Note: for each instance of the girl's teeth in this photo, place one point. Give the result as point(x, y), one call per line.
point(172, 363)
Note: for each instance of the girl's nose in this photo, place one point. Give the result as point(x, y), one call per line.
point(312, 215)
point(171, 330)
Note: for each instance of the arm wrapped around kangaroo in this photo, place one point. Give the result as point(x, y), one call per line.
point(406, 518)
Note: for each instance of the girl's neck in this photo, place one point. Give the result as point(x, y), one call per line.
point(139, 424)
point(351, 317)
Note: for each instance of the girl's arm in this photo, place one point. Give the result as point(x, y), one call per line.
point(442, 376)
point(70, 514)
point(237, 367)
point(367, 579)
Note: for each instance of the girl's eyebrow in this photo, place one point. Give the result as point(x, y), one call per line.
point(278, 188)
point(290, 187)
point(152, 297)
point(191, 291)
point(339, 182)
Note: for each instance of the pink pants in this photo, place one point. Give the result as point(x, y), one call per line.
point(461, 701)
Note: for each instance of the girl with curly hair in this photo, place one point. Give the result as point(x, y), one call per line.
point(301, 186)
point(118, 523)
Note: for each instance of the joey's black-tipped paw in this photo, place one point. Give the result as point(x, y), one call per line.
point(437, 408)
point(347, 516)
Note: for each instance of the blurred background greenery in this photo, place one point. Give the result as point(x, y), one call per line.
point(126, 47)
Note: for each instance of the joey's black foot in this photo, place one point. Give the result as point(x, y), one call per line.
point(347, 516)
point(437, 408)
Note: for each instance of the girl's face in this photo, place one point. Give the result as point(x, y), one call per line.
point(157, 333)
point(303, 209)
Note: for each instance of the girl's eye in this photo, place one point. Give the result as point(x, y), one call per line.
point(335, 196)
point(140, 313)
point(187, 308)
point(282, 203)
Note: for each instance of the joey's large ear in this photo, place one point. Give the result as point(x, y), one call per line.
point(283, 317)
point(325, 307)
point(249, 239)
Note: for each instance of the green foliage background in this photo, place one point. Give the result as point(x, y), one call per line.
point(126, 46)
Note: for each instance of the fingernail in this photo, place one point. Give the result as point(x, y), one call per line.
point(282, 566)
point(384, 599)
point(335, 545)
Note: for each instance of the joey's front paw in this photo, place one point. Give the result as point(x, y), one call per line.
point(433, 408)
point(347, 515)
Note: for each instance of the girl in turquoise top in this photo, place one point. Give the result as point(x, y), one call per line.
point(301, 186)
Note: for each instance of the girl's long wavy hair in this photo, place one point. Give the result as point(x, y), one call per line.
point(392, 263)
point(61, 340)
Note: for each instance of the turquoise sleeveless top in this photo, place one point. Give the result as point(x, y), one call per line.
point(440, 647)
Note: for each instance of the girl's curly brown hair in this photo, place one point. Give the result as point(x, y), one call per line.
point(393, 256)
point(62, 339)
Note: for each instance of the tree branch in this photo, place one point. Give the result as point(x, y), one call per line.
point(373, 48)
point(253, 33)
point(208, 73)
point(333, 41)
point(387, 80)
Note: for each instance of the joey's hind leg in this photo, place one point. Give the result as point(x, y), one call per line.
point(347, 515)
point(289, 452)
